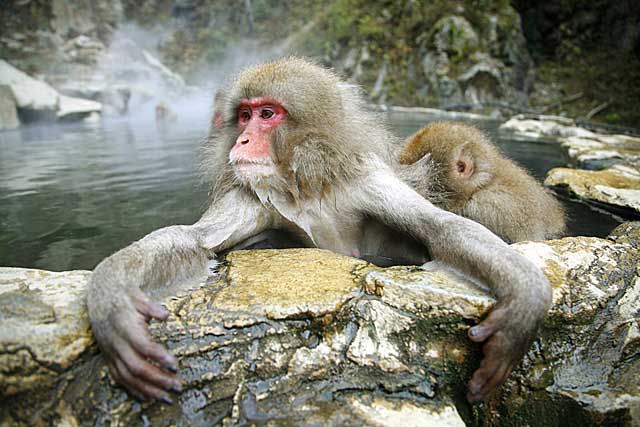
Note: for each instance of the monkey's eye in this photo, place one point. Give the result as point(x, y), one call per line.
point(245, 115)
point(267, 114)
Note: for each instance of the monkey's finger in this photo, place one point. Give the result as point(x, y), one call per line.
point(480, 377)
point(496, 380)
point(491, 363)
point(487, 327)
point(138, 387)
point(147, 372)
point(148, 308)
point(117, 377)
point(156, 352)
point(138, 337)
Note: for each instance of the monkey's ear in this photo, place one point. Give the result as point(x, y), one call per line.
point(463, 162)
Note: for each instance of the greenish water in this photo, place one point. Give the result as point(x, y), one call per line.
point(71, 195)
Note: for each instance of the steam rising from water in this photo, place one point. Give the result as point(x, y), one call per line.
point(132, 60)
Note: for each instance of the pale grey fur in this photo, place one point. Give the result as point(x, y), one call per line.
point(356, 212)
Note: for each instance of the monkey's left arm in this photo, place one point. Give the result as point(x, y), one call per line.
point(522, 290)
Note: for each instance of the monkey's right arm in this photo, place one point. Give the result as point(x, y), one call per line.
point(119, 309)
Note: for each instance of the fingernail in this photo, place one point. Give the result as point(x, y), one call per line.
point(474, 332)
point(176, 387)
point(167, 400)
point(172, 369)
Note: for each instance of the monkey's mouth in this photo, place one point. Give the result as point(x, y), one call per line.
point(254, 166)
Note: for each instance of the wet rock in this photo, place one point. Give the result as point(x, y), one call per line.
point(71, 108)
point(8, 111)
point(602, 151)
point(45, 327)
point(616, 188)
point(29, 93)
point(383, 412)
point(289, 338)
point(615, 184)
point(37, 100)
point(542, 126)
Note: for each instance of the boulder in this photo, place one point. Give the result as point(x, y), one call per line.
point(288, 337)
point(8, 111)
point(541, 127)
point(483, 81)
point(616, 188)
point(602, 151)
point(37, 100)
point(71, 108)
point(455, 36)
point(29, 93)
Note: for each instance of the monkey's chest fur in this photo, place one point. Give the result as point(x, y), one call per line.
point(332, 223)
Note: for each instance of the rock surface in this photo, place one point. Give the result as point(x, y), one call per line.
point(70, 107)
point(616, 187)
point(544, 127)
point(29, 93)
point(37, 99)
point(289, 338)
point(602, 151)
point(612, 162)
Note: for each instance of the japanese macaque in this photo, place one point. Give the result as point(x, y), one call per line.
point(299, 152)
point(457, 167)
point(164, 114)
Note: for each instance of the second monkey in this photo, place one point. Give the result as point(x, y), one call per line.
point(467, 175)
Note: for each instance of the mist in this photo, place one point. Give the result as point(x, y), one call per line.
point(133, 59)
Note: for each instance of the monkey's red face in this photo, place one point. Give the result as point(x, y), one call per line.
point(257, 118)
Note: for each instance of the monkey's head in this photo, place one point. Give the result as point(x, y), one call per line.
point(457, 151)
point(294, 124)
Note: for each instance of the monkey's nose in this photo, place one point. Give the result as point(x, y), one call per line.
point(244, 141)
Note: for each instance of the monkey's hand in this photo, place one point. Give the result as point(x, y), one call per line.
point(507, 333)
point(144, 367)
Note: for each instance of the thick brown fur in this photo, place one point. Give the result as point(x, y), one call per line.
point(493, 191)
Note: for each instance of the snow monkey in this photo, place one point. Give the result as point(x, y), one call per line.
point(298, 151)
point(472, 178)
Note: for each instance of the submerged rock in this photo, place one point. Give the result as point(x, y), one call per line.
point(615, 188)
point(289, 337)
